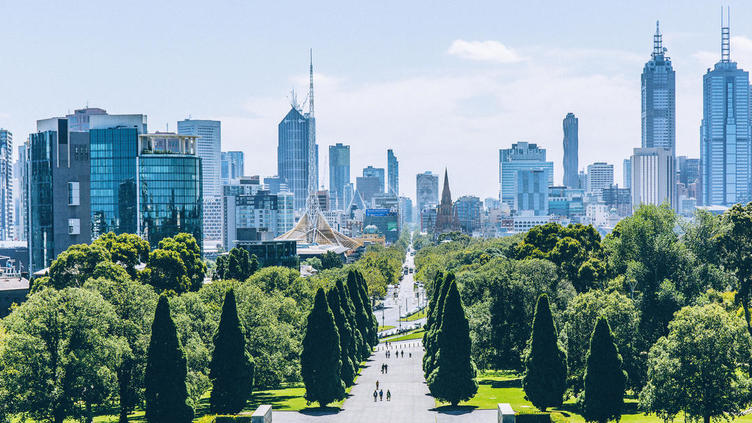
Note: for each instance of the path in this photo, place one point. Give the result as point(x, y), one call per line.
point(411, 402)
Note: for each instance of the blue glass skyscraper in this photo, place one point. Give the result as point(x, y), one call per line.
point(571, 151)
point(392, 165)
point(522, 156)
point(294, 133)
point(725, 132)
point(339, 172)
point(659, 99)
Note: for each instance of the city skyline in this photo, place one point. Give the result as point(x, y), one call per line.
point(466, 80)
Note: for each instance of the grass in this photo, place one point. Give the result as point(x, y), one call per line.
point(413, 334)
point(420, 314)
point(387, 327)
point(502, 387)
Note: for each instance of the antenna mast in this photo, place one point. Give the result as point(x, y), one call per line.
point(726, 36)
point(312, 202)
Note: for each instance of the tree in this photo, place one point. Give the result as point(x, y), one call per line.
point(331, 260)
point(220, 267)
point(605, 380)
point(345, 336)
point(453, 377)
point(231, 368)
point(58, 354)
point(190, 254)
point(579, 321)
point(431, 344)
point(545, 377)
point(238, 265)
point(356, 346)
point(372, 323)
point(73, 266)
point(134, 304)
point(701, 367)
point(166, 392)
point(127, 250)
point(736, 253)
point(320, 361)
point(167, 272)
point(362, 321)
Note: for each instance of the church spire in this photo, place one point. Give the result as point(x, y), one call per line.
point(446, 194)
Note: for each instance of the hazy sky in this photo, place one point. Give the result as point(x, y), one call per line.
point(445, 84)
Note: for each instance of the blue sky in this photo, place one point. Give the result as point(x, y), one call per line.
point(442, 83)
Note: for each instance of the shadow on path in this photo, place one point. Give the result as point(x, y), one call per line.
point(455, 411)
point(319, 411)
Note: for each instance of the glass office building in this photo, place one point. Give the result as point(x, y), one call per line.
point(571, 151)
point(339, 172)
point(522, 156)
point(294, 136)
point(392, 173)
point(725, 132)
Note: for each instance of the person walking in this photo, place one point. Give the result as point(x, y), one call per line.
point(381, 395)
point(403, 353)
point(386, 368)
point(377, 385)
point(375, 394)
point(388, 395)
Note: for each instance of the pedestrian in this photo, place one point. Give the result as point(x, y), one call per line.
point(409, 355)
point(381, 395)
point(375, 394)
point(386, 368)
point(388, 395)
point(403, 353)
point(377, 385)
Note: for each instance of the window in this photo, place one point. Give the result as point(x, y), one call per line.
point(74, 198)
point(74, 226)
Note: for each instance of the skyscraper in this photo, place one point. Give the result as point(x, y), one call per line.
point(571, 146)
point(627, 173)
point(294, 132)
point(339, 172)
point(427, 191)
point(522, 156)
point(375, 172)
point(725, 132)
point(6, 186)
point(599, 176)
point(659, 98)
point(393, 172)
point(232, 166)
point(58, 191)
point(21, 192)
point(78, 121)
point(209, 147)
point(653, 176)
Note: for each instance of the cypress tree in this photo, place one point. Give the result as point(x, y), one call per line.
point(373, 323)
point(604, 377)
point(361, 319)
point(347, 372)
point(430, 356)
point(545, 377)
point(320, 360)
point(231, 367)
point(166, 392)
point(357, 339)
point(438, 280)
point(453, 377)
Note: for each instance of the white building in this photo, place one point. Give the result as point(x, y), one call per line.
point(599, 176)
point(209, 146)
point(653, 176)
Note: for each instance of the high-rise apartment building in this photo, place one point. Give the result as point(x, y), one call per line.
point(599, 176)
point(294, 141)
point(231, 166)
point(653, 175)
point(571, 152)
point(427, 191)
point(339, 173)
point(725, 162)
point(6, 186)
point(392, 172)
point(209, 147)
point(57, 191)
point(375, 172)
point(522, 156)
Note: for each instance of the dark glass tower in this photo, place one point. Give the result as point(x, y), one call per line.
point(392, 166)
point(339, 172)
point(294, 133)
point(571, 151)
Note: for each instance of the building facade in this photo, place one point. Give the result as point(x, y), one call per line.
point(627, 173)
point(7, 206)
point(294, 142)
point(232, 166)
point(368, 187)
point(659, 99)
point(427, 191)
point(522, 156)
point(653, 174)
point(376, 172)
point(252, 213)
point(599, 176)
point(21, 193)
point(725, 162)
point(469, 210)
point(571, 151)
point(532, 191)
point(339, 173)
point(392, 165)
point(58, 191)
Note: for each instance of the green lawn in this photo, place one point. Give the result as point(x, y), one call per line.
point(499, 387)
point(387, 327)
point(413, 334)
point(421, 314)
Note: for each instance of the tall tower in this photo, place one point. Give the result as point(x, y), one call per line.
point(725, 161)
point(571, 151)
point(659, 98)
point(392, 165)
point(312, 202)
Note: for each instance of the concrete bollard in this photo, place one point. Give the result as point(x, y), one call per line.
point(505, 413)
point(263, 414)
